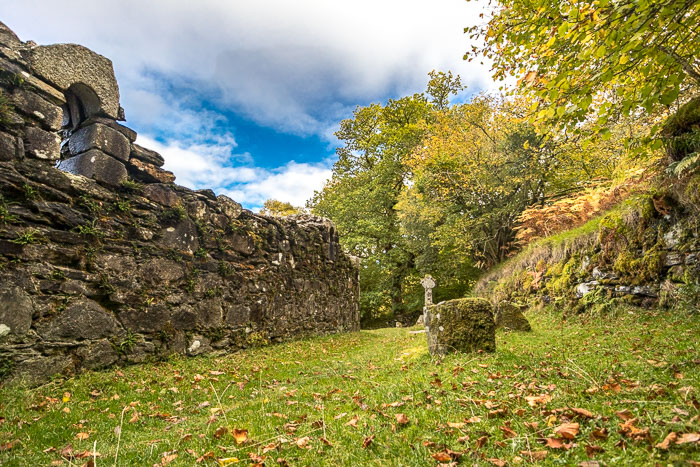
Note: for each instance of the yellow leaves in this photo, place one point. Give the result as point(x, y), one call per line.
point(228, 461)
point(66, 397)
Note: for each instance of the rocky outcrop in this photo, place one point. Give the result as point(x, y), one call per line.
point(462, 325)
point(104, 260)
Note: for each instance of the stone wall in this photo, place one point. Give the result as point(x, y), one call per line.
point(103, 259)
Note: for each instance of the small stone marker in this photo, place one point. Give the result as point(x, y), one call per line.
point(510, 316)
point(462, 325)
point(428, 284)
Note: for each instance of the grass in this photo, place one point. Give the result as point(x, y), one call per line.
point(639, 363)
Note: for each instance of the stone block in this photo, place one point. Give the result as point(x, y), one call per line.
point(147, 155)
point(148, 173)
point(149, 320)
point(126, 131)
point(510, 316)
point(462, 325)
point(8, 37)
point(102, 137)
point(65, 65)
point(98, 354)
point(229, 207)
point(161, 194)
point(48, 114)
point(96, 165)
point(16, 309)
point(42, 144)
point(11, 147)
point(83, 319)
point(181, 237)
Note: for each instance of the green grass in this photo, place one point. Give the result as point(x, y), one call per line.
point(638, 361)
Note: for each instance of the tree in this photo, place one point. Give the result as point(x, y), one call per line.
point(273, 207)
point(628, 54)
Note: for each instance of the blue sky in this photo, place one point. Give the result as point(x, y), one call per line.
point(244, 96)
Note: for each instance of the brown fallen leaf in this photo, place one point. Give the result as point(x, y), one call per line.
point(401, 419)
point(480, 442)
point(507, 432)
point(221, 431)
point(554, 443)
point(9, 445)
point(581, 412)
point(303, 443)
point(367, 441)
point(457, 425)
point(625, 414)
point(534, 401)
point(589, 464)
point(592, 449)
point(82, 436)
point(353, 421)
point(496, 462)
point(167, 459)
point(473, 419)
point(241, 436)
point(325, 441)
point(567, 430)
point(534, 455)
point(670, 438)
point(441, 456)
point(532, 425)
point(688, 438)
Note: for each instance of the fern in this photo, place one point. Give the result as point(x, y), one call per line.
point(688, 164)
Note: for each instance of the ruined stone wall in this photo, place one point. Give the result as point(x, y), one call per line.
point(103, 259)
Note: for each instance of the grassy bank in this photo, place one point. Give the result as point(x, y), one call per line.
point(377, 398)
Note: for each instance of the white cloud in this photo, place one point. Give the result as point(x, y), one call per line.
point(295, 66)
point(209, 166)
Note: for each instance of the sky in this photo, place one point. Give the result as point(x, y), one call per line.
point(243, 97)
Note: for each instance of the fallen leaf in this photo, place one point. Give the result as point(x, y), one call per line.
point(567, 430)
point(227, 461)
point(581, 412)
point(625, 415)
point(534, 455)
point(441, 456)
point(507, 432)
point(9, 445)
point(688, 438)
point(353, 421)
point(82, 436)
point(592, 449)
point(496, 462)
point(367, 441)
point(241, 436)
point(534, 401)
point(167, 459)
point(670, 438)
point(473, 419)
point(221, 431)
point(401, 419)
point(457, 425)
point(480, 442)
point(303, 443)
point(601, 433)
point(554, 443)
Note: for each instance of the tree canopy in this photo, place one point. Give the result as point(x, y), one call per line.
point(582, 60)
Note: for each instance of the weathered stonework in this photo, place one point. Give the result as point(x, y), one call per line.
point(461, 325)
point(104, 260)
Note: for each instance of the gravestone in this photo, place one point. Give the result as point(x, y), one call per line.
point(428, 284)
point(462, 325)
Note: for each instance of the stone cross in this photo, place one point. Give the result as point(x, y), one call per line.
point(428, 283)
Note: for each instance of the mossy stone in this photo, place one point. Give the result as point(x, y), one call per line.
point(462, 325)
point(510, 316)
